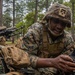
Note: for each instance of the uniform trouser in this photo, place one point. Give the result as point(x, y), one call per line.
point(45, 71)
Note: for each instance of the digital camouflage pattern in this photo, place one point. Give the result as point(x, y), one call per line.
point(19, 42)
point(33, 43)
point(11, 55)
point(14, 73)
point(1, 67)
point(2, 38)
point(38, 43)
point(2, 42)
point(59, 11)
point(15, 57)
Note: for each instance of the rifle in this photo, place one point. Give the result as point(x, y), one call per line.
point(8, 32)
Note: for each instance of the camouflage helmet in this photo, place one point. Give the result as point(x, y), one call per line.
point(59, 11)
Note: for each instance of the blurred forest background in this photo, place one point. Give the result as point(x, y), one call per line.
point(25, 12)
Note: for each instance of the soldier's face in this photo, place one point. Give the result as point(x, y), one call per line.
point(56, 26)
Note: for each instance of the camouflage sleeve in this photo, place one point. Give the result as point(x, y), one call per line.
point(31, 43)
point(2, 40)
point(69, 47)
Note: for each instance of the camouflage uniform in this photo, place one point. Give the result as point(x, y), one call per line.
point(33, 43)
point(2, 42)
point(38, 43)
point(5, 57)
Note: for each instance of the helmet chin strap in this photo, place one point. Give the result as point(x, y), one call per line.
point(56, 35)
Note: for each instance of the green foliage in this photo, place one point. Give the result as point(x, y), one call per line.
point(21, 28)
point(30, 4)
point(7, 20)
point(72, 1)
point(68, 4)
point(19, 24)
point(59, 1)
point(29, 19)
point(40, 16)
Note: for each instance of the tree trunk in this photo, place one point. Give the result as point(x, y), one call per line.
point(13, 13)
point(1, 2)
point(73, 21)
point(13, 18)
point(36, 11)
point(46, 5)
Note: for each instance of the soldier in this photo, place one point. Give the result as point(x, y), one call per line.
point(12, 59)
point(2, 39)
point(48, 44)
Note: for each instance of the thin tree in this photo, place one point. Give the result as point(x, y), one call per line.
point(36, 10)
point(13, 13)
point(1, 3)
point(13, 18)
point(46, 5)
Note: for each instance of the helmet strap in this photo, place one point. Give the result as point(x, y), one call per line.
point(49, 29)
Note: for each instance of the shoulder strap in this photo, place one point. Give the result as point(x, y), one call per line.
point(45, 38)
point(43, 51)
